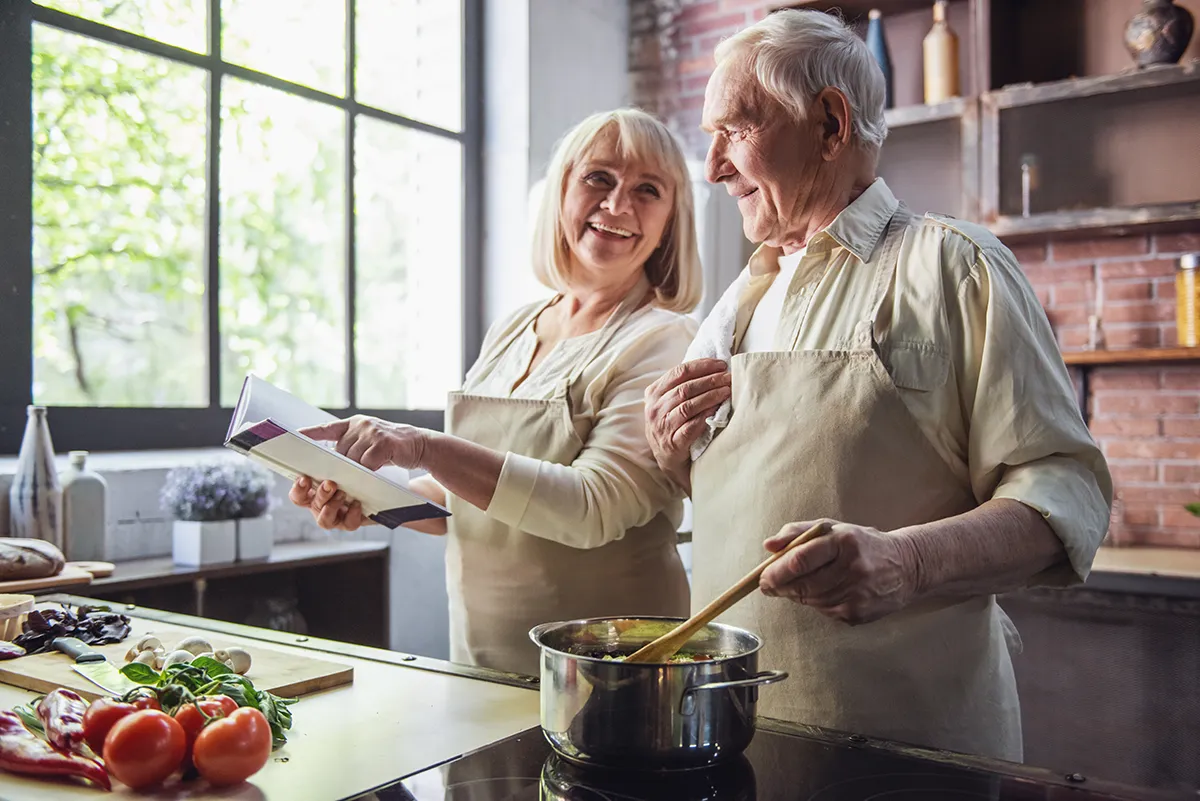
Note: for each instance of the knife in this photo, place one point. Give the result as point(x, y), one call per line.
point(94, 666)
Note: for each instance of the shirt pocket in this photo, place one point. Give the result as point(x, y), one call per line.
point(918, 366)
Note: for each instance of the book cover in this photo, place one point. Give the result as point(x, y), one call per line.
point(265, 427)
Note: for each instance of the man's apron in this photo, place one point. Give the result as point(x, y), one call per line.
point(501, 581)
point(825, 433)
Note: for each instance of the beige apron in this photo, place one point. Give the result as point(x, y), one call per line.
point(825, 433)
point(501, 581)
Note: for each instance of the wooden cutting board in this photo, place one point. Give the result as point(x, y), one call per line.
point(287, 675)
point(68, 576)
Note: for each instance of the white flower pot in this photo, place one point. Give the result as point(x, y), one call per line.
point(210, 542)
point(255, 535)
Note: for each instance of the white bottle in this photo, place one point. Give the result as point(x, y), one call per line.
point(84, 510)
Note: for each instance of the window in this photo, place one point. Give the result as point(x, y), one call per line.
point(199, 189)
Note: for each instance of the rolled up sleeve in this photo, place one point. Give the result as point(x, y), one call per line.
point(1027, 440)
point(613, 484)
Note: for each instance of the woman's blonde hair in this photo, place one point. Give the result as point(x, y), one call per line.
point(673, 269)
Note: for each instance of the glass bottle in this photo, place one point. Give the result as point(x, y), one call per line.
point(35, 497)
point(877, 44)
point(84, 512)
point(941, 58)
point(1187, 301)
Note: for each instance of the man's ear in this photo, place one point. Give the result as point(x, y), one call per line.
point(832, 111)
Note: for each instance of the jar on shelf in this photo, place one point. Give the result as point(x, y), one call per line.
point(1187, 301)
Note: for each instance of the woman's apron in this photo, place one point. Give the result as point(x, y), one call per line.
point(825, 433)
point(501, 581)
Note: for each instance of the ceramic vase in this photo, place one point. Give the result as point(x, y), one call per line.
point(195, 543)
point(255, 536)
point(1159, 33)
point(35, 497)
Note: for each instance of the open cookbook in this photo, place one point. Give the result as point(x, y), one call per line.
point(264, 428)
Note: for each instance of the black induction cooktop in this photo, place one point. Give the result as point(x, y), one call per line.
point(777, 766)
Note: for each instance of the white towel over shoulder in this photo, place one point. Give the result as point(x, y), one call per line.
point(714, 340)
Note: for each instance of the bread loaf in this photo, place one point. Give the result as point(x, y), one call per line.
point(28, 559)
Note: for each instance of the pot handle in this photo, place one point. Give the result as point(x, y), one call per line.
point(687, 704)
point(766, 677)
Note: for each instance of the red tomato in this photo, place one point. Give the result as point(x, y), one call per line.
point(233, 749)
point(101, 716)
point(192, 721)
point(144, 748)
point(147, 701)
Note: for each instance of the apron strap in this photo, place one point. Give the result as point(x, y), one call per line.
point(888, 261)
point(502, 344)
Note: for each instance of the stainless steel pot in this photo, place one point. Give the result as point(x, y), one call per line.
point(675, 716)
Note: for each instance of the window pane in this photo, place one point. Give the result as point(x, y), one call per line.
point(410, 59)
point(408, 215)
point(118, 240)
point(282, 244)
point(183, 23)
point(303, 41)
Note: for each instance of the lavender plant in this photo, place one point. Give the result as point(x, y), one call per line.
point(217, 491)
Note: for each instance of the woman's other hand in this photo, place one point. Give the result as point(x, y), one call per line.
point(329, 505)
point(372, 442)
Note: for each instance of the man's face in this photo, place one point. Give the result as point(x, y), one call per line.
point(764, 158)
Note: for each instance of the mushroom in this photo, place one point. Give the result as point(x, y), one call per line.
point(238, 659)
point(177, 656)
point(194, 645)
point(148, 643)
point(146, 658)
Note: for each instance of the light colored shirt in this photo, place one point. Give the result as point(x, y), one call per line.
point(614, 484)
point(971, 352)
point(760, 334)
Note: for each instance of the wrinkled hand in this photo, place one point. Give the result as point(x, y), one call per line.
point(329, 505)
point(677, 405)
point(852, 573)
point(372, 442)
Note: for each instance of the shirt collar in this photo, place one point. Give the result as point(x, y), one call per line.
point(858, 228)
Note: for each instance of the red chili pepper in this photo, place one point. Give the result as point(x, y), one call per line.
point(21, 751)
point(61, 713)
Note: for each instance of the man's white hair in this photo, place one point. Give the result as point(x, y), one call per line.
point(795, 54)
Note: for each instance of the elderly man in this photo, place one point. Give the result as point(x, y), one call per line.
point(893, 374)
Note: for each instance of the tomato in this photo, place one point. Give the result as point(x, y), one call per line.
point(101, 716)
point(234, 748)
point(144, 748)
point(147, 701)
point(192, 721)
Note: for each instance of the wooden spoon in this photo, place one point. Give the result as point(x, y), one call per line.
point(664, 647)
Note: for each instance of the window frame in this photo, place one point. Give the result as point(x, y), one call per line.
point(101, 428)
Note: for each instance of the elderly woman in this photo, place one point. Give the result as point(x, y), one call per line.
point(892, 374)
point(559, 510)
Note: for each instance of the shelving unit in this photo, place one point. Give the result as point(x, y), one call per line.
point(1117, 161)
point(1126, 356)
point(1086, 360)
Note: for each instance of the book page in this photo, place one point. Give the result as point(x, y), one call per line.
point(260, 400)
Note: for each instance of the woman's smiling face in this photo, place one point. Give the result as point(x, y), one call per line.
point(615, 211)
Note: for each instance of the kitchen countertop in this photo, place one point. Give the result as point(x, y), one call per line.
point(400, 715)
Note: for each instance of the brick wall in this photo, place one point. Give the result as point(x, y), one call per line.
point(1147, 419)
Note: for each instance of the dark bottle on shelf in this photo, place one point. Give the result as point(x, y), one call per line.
point(877, 44)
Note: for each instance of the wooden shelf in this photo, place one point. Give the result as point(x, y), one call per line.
point(852, 9)
point(140, 573)
point(918, 115)
point(1090, 222)
point(1075, 88)
point(1107, 358)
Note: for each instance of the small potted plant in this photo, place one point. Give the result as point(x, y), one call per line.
point(255, 529)
point(203, 500)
